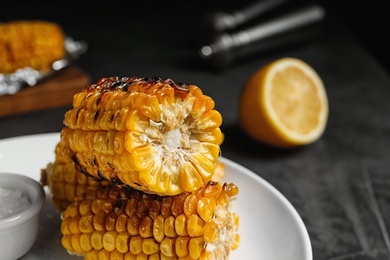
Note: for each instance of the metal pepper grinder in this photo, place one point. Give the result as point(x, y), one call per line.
point(229, 46)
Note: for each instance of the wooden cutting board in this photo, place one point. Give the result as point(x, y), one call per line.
point(55, 91)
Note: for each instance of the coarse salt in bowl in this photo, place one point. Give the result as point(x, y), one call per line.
point(21, 202)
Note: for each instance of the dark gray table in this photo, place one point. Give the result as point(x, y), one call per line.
point(340, 185)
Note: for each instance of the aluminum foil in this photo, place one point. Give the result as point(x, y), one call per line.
point(28, 77)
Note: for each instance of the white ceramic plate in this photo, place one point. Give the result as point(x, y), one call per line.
point(270, 227)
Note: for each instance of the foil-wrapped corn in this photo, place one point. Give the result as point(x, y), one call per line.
point(30, 43)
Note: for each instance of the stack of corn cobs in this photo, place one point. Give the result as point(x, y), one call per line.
point(136, 173)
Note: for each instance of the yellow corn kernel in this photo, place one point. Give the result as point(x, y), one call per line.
point(97, 240)
point(142, 256)
point(116, 255)
point(75, 241)
point(130, 256)
point(191, 205)
point(67, 243)
point(150, 246)
point(190, 177)
point(181, 225)
point(210, 231)
point(195, 225)
point(110, 221)
point(236, 242)
point(136, 245)
point(86, 223)
point(109, 240)
point(91, 255)
point(104, 255)
point(121, 223)
point(196, 245)
point(158, 228)
point(146, 227)
point(167, 246)
point(74, 225)
point(85, 242)
point(85, 207)
point(122, 242)
point(205, 209)
point(132, 225)
point(164, 257)
point(169, 227)
point(151, 134)
point(181, 246)
point(155, 256)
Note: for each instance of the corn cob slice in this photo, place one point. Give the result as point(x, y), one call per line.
point(35, 44)
point(152, 134)
point(65, 182)
point(122, 223)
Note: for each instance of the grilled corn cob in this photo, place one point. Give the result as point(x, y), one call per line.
point(122, 223)
point(152, 134)
point(35, 44)
point(65, 182)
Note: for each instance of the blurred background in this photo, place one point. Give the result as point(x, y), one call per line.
point(164, 19)
point(349, 48)
point(163, 38)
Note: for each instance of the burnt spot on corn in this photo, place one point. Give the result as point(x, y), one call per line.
point(98, 100)
point(95, 162)
point(102, 176)
point(77, 114)
point(119, 84)
point(74, 158)
point(112, 117)
point(119, 203)
point(112, 167)
point(116, 181)
point(124, 84)
point(96, 116)
point(84, 171)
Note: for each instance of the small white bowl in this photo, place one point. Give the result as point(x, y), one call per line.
point(18, 232)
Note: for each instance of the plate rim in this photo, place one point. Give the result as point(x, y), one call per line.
point(283, 199)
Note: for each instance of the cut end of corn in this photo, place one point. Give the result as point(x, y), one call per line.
point(112, 221)
point(152, 134)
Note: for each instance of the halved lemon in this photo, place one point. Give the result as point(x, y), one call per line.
point(284, 104)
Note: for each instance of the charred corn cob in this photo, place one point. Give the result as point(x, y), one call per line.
point(35, 44)
point(152, 134)
point(65, 182)
point(122, 223)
